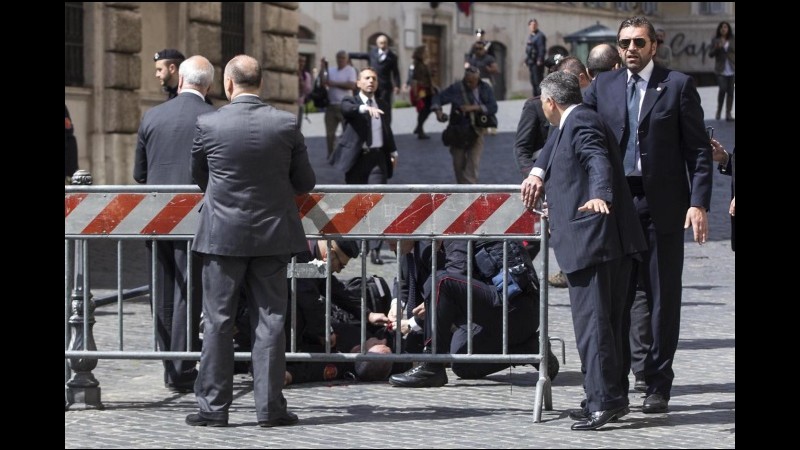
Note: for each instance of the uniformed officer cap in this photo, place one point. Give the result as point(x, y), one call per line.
point(168, 53)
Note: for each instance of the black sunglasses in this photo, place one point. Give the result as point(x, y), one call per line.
point(638, 42)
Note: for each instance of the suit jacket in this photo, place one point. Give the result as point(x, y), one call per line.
point(672, 140)
point(388, 70)
point(532, 131)
point(251, 161)
point(358, 133)
point(163, 151)
point(581, 162)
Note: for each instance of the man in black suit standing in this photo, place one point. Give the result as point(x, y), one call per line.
point(385, 62)
point(366, 152)
point(250, 160)
point(656, 118)
point(163, 153)
point(594, 236)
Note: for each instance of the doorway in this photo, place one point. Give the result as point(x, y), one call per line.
point(432, 40)
point(498, 50)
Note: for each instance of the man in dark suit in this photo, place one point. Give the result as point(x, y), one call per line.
point(250, 160)
point(386, 64)
point(163, 153)
point(366, 152)
point(666, 143)
point(594, 236)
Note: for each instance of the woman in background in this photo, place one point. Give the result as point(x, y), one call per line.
point(723, 50)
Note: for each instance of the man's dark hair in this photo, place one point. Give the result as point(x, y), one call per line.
point(245, 71)
point(638, 22)
point(571, 65)
point(602, 58)
point(350, 248)
point(563, 87)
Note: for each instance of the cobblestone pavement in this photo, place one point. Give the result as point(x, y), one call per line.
point(494, 412)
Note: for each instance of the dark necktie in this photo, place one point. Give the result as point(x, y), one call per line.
point(629, 162)
point(369, 128)
point(411, 303)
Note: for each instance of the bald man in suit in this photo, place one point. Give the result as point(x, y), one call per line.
point(250, 160)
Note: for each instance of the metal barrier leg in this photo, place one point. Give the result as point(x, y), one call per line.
point(83, 389)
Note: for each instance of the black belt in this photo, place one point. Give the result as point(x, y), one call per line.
point(366, 150)
point(636, 185)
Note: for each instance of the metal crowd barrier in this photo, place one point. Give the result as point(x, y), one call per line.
point(419, 212)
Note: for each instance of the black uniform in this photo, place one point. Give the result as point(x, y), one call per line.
point(70, 146)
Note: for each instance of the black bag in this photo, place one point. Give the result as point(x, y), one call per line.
point(319, 95)
point(522, 277)
point(485, 120)
point(379, 297)
point(459, 137)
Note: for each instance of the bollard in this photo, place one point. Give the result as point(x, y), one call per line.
point(82, 391)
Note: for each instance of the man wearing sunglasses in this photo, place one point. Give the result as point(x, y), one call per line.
point(656, 116)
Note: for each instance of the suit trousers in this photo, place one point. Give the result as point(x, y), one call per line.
point(333, 117)
point(598, 297)
point(170, 295)
point(487, 323)
point(266, 291)
point(659, 310)
point(466, 161)
point(385, 94)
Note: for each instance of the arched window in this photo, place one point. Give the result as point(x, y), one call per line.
point(304, 34)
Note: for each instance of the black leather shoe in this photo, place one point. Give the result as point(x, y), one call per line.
point(422, 135)
point(599, 418)
point(583, 414)
point(655, 404)
point(285, 420)
point(196, 420)
point(639, 385)
point(424, 375)
point(374, 257)
point(579, 414)
point(180, 388)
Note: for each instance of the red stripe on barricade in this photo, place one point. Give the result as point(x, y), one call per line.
point(172, 213)
point(351, 214)
point(116, 210)
point(524, 224)
point(417, 212)
point(71, 201)
point(307, 202)
point(477, 213)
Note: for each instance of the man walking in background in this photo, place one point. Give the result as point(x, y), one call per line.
point(386, 64)
point(535, 51)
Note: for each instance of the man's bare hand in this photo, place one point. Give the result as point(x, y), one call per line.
point(597, 205)
point(698, 220)
point(419, 311)
point(531, 189)
point(732, 209)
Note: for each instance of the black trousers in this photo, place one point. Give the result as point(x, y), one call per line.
point(487, 323)
point(370, 168)
point(598, 297)
point(170, 291)
point(658, 311)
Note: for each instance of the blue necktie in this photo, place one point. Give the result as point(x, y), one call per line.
point(629, 162)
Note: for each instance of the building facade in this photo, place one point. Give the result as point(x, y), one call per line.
point(109, 73)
